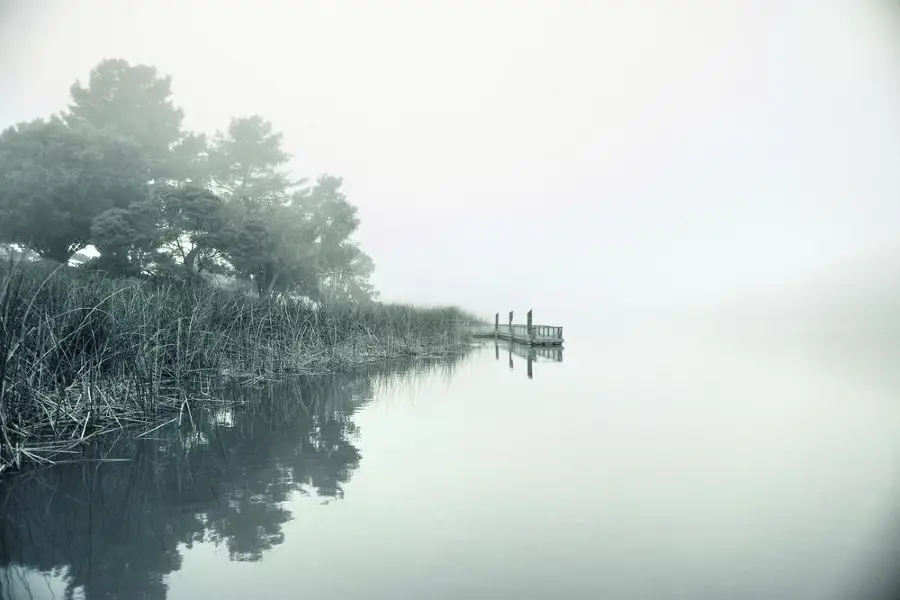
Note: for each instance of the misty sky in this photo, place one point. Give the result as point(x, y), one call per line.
point(565, 155)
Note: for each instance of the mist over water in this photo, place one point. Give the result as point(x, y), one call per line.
point(703, 194)
point(665, 462)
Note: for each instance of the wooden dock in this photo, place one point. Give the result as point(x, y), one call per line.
point(529, 333)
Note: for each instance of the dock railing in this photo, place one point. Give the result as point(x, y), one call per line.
point(529, 333)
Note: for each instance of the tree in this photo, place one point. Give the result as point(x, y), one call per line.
point(128, 239)
point(192, 226)
point(58, 177)
point(246, 164)
point(118, 171)
point(336, 220)
point(350, 283)
point(189, 161)
point(177, 229)
point(300, 244)
point(275, 249)
point(135, 102)
point(270, 240)
point(344, 270)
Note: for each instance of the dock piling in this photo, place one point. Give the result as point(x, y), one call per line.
point(529, 333)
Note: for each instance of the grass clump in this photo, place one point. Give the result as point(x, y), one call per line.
point(82, 354)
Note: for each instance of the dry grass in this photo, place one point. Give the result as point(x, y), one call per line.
point(82, 355)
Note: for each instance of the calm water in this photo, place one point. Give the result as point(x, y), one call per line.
point(640, 467)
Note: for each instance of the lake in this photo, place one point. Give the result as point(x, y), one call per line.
point(648, 465)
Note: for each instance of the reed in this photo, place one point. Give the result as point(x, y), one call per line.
point(82, 355)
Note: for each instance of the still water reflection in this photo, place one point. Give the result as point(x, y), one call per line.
point(635, 468)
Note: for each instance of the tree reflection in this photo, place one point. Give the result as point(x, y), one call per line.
point(117, 526)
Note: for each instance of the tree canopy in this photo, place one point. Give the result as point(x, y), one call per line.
point(58, 178)
point(133, 101)
point(117, 171)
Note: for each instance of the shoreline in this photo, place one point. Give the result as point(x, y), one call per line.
point(83, 355)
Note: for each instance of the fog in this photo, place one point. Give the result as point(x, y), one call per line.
point(619, 167)
point(585, 159)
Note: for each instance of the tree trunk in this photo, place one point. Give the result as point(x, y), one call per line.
point(191, 258)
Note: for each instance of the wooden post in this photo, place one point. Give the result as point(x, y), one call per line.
point(510, 332)
point(530, 330)
point(530, 360)
point(496, 325)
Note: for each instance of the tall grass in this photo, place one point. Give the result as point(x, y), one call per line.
point(82, 354)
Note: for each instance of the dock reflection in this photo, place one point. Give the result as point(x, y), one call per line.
point(531, 354)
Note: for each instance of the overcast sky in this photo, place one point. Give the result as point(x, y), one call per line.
point(567, 155)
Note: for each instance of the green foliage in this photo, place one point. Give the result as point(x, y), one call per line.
point(192, 226)
point(247, 163)
point(118, 172)
point(58, 178)
point(274, 249)
point(188, 160)
point(135, 102)
point(129, 239)
point(334, 218)
point(349, 283)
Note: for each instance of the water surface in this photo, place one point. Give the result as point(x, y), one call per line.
point(650, 466)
